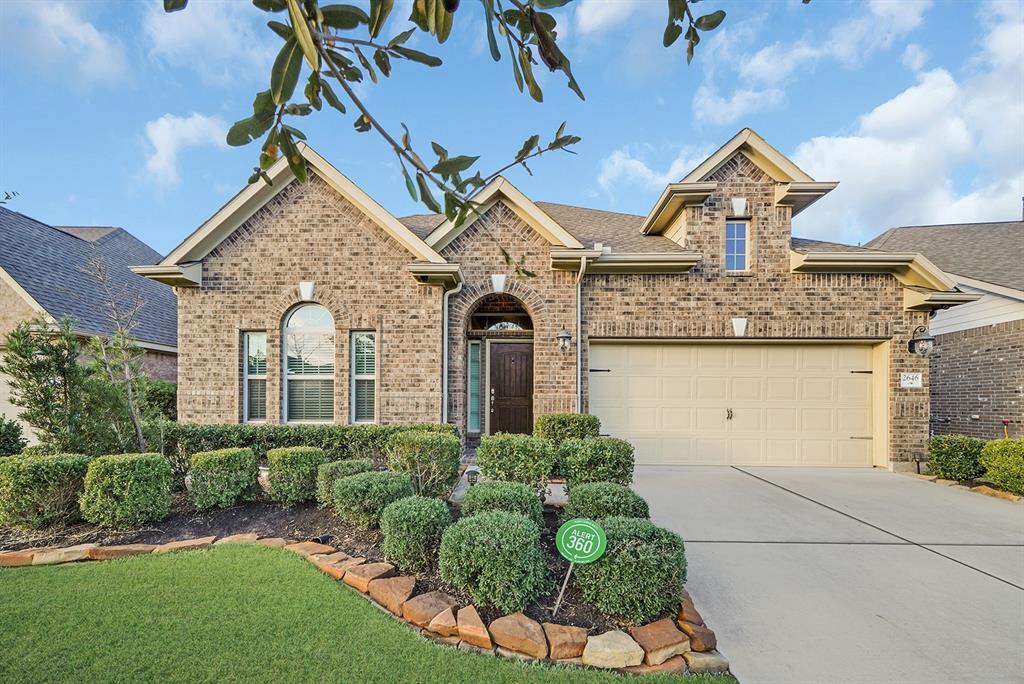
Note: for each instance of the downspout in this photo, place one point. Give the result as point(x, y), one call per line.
point(444, 349)
point(579, 339)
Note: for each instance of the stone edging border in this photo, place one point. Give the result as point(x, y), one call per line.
point(665, 646)
point(979, 489)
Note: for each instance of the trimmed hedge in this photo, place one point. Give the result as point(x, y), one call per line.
point(329, 473)
point(11, 439)
point(596, 459)
point(596, 500)
point(496, 556)
point(640, 576)
point(223, 477)
point(494, 495)
point(1004, 461)
point(517, 458)
point(559, 427)
point(292, 476)
point(430, 458)
point(955, 457)
point(127, 490)
point(412, 529)
point(363, 497)
point(39, 491)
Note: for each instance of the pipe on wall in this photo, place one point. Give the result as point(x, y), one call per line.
point(579, 335)
point(444, 349)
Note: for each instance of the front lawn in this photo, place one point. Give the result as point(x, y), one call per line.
point(232, 613)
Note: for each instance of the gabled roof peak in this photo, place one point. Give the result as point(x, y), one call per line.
point(777, 165)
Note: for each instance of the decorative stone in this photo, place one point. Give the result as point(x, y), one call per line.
point(612, 650)
point(237, 538)
point(660, 641)
point(463, 646)
point(331, 558)
point(393, 592)
point(275, 542)
point(687, 612)
point(350, 563)
point(420, 610)
point(520, 633)
point(310, 548)
point(472, 629)
point(69, 554)
point(186, 544)
point(997, 493)
point(700, 663)
point(573, 662)
point(509, 653)
point(701, 638)
point(14, 559)
point(948, 483)
point(674, 665)
point(565, 641)
point(330, 569)
point(360, 576)
point(109, 552)
point(452, 641)
point(444, 623)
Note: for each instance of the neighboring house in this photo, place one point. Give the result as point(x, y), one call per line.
point(702, 332)
point(977, 368)
point(46, 270)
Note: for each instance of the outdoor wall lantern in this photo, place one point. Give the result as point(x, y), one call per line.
point(564, 340)
point(921, 342)
point(472, 475)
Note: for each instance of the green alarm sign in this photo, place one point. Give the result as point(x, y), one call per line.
point(581, 541)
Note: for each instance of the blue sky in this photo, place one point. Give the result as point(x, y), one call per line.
point(113, 113)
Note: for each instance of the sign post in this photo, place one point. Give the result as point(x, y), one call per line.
point(579, 541)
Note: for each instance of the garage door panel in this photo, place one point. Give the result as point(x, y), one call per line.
point(853, 357)
point(711, 450)
point(711, 419)
point(816, 389)
point(712, 357)
point(816, 420)
point(812, 358)
point(781, 389)
point(746, 451)
point(746, 420)
point(678, 356)
point(747, 358)
point(643, 356)
point(855, 388)
point(641, 387)
point(782, 451)
point(782, 419)
point(677, 389)
point(816, 451)
point(676, 419)
point(853, 421)
point(853, 452)
point(782, 358)
point(747, 389)
point(712, 387)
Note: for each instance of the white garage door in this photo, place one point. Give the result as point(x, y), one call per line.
point(737, 404)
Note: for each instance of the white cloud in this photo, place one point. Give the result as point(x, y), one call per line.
point(626, 167)
point(915, 57)
point(594, 16)
point(171, 134)
point(56, 38)
point(708, 105)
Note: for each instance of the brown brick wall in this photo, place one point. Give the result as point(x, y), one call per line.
point(160, 365)
point(979, 372)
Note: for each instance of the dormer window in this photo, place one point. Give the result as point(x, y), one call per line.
point(737, 246)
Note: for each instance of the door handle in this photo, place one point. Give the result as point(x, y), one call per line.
point(492, 400)
point(728, 414)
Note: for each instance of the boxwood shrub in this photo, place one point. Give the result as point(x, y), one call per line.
point(224, 477)
point(596, 459)
point(596, 500)
point(127, 490)
point(494, 495)
point(292, 476)
point(430, 458)
point(640, 576)
point(412, 529)
point(955, 457)
point(517, 458)
point(362, 498)
point(329, 473)
point(559, 427)
point(39, 491)
point(1004, 463)
point(11, 439)
point(496, 556)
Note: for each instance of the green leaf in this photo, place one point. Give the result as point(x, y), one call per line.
point(417, 56)
point(271, 5)
point(263, 103)
point(550, 4)
point(531, 83)
point(528, 146)
point(331, 98)
point(174, 5)
point(362, 124)
point(383, 62)
point(379, 11)
point(406, 137)
point(428, 199)
point(492, 42)
point(343, 16)
point(366, 65)
point(450, 167)
point(294, 131)
point(312, 91)
point(710, 21)
point(280, 29)
point(672, 32)
point(303, 35)
point(285, 73)
point(401, 38)
point(442, 154)
point(242, 133)
point(296, 162)
point(676, 10)
point(409, 185)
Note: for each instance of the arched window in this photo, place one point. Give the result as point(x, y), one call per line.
point(308, 341)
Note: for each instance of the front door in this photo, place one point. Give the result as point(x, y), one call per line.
point(511, 379)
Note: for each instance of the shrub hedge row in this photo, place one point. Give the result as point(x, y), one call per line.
point(126, 490)
point(293, 472)
point(559, 427)
point(955, 457)
point(412, 529)
point(596, 459)
point(363, 497)
point(1003, 460)
point(517, 458)
point(431, 458)
point(224, 477)
point(596, 500)
point(494, 495)
point(39, 491)
point(329, 473)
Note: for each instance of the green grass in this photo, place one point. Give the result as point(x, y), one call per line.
point(239, 613)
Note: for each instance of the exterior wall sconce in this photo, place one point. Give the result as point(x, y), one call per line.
point(739, 206)
point(498, 282)
point(921, 342)
point(472, 475)
point(564, 340)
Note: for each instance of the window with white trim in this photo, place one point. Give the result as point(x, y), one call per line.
point(736, 246)
point(473, 424)
point(364, 377)
point(309, 365)
point(254, 384)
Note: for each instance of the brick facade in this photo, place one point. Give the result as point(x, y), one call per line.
point(160, 365)
point(979, 372)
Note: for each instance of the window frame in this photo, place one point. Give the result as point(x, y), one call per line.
point(479, 386)
point(287, 377)
point(247, 376)
point(354, 377)
point(746, 246)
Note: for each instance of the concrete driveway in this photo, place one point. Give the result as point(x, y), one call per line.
point(848, 575)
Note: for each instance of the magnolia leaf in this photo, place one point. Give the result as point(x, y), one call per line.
point(343, 16)
point(531, 83)
point(492, 42)
point(550, 4)
point(450, 167)
point(406, 137)
point(417, 56)
point(425, 196)
point(362, 124)
point(383, 62)
point(709, 21)
point(280, 29)
point(527, 147)
point(676, 10)
point(295, 131)
point(312, 91)
point(401, 38)
point(285, 73)
point(366, 65)
point(302, 34)
point(331, 98)
point(672, 32)
point(174, 5)
point(409, 185)
point(271, 5)
point(296, 162)
point(379, 11)
point(441, 153)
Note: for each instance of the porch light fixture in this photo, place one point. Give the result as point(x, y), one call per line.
point(921, 342)
point(564, 340)
point(498, 282)
point(472, 475)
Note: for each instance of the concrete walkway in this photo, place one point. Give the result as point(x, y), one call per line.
point(848, 575)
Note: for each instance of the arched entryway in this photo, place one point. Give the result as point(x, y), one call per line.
point(499, 339)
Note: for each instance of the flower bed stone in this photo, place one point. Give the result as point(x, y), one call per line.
point(678, 646)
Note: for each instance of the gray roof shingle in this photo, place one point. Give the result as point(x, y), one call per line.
point(50, 264)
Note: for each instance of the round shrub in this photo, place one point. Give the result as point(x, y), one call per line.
point(494, 495)
point(955, 457)
point(596, 500)
point(412, 529)
point(640, 576)
point(516, 458)
point(559, 427)
point(597, 459)
point(221, 478)
point(362, 498)
point(430, 458)
point(329, 473)
point(11, 440)
point(1004, 463)
point(293, 471)
point(127, 490)
point(39, 491)
point(496, 556)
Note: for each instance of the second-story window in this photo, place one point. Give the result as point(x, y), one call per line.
point(737, 254)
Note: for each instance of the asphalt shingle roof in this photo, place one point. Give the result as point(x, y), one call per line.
point(50, 264)
point(992, 252)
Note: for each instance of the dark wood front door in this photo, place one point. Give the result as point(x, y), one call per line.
point(511, 400)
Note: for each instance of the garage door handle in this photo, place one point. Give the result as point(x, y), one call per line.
point(728, 414)
point(600, 370)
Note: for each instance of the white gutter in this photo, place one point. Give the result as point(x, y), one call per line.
point(579, 334)
point(444, 349)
